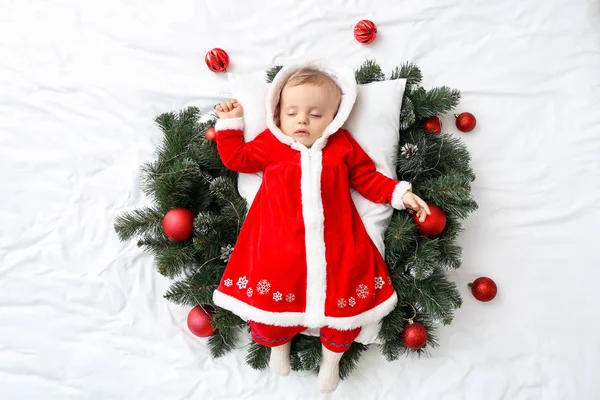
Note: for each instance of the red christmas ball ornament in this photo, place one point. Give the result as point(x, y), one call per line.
point(217, 60)
point(465, 122)
point(434, 224)
point(211, 134)
point(414, 336)
point(365, 31)
point(198, 321)
point(433, 124)
point(484, 289)
point(178, 224)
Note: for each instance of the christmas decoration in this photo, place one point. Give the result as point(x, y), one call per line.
point(465, 122)
point(226, 253)
point(414, 336)
point(409, 151)
point(211, 134)
point(365, 31)
point(188, 173)
point(198, 321)
point(434, 224)
point(433, 124)
point(178, 224)
point(217, 60)
point(484, 289)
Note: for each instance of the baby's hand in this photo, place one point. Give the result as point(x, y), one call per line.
point(229, 109)
point(414, 202)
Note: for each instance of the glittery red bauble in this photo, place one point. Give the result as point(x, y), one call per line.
point(365, 31)
point(434, 224)
point(178, 224)
point(198, 321)
point(211, 134)
point(484, 289)
point(465, 122)
point(414, 336)
point(433, 124)
point(217, 60)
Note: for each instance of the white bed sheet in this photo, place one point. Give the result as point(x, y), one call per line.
point(82, 315)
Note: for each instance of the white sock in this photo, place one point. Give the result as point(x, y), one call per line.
point(329, 372)
point(280, 359)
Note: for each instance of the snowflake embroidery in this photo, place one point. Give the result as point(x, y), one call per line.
point(378, 282)
point(249, 292)
point(228, 282)
point(263, 287)
point(362, 291)
point(290, 297)
point(242, 282)
point(351, 302)
point(277, 296)
point(341, 303)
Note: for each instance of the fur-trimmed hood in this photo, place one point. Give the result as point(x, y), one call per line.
point(342, 76)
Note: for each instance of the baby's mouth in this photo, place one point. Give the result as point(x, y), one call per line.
point(302, 132)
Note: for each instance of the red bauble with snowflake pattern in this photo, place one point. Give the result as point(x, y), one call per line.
point(365, 31)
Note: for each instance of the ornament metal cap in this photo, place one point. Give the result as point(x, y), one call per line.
point(410, 320)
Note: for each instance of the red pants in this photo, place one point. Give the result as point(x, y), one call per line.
point(271, 336)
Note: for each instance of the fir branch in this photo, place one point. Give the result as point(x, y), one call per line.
point(392, 349)
point(197, 288)
point(350, 359)
point(408, 71)
point(227, 327)
point(144, 220)
point(369, 72)
point(451, 192)
point(258, 356)
point(407, 114)
point(436, 296)
point(173, 260)
point(272, 72)
point(305, 354)
point(208, 158)
point(422, 263)
point(436, 101)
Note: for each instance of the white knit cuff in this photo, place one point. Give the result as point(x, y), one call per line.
point(399, 191)
point(229, 124)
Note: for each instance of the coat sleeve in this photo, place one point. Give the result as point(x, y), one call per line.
point(236, 154)
point(370, 183)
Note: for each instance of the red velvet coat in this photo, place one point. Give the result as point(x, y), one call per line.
point(303, 256)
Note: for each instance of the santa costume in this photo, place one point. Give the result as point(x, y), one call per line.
point(303, 258)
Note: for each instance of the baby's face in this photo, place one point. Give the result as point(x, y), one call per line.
point(306, 110)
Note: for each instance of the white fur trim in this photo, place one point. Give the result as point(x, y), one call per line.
point(399, 191)
point(250, 313)
point(229, 124)
point(314, 235)
point(342, 76)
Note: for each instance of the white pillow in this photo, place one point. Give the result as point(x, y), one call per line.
point(374, 123)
